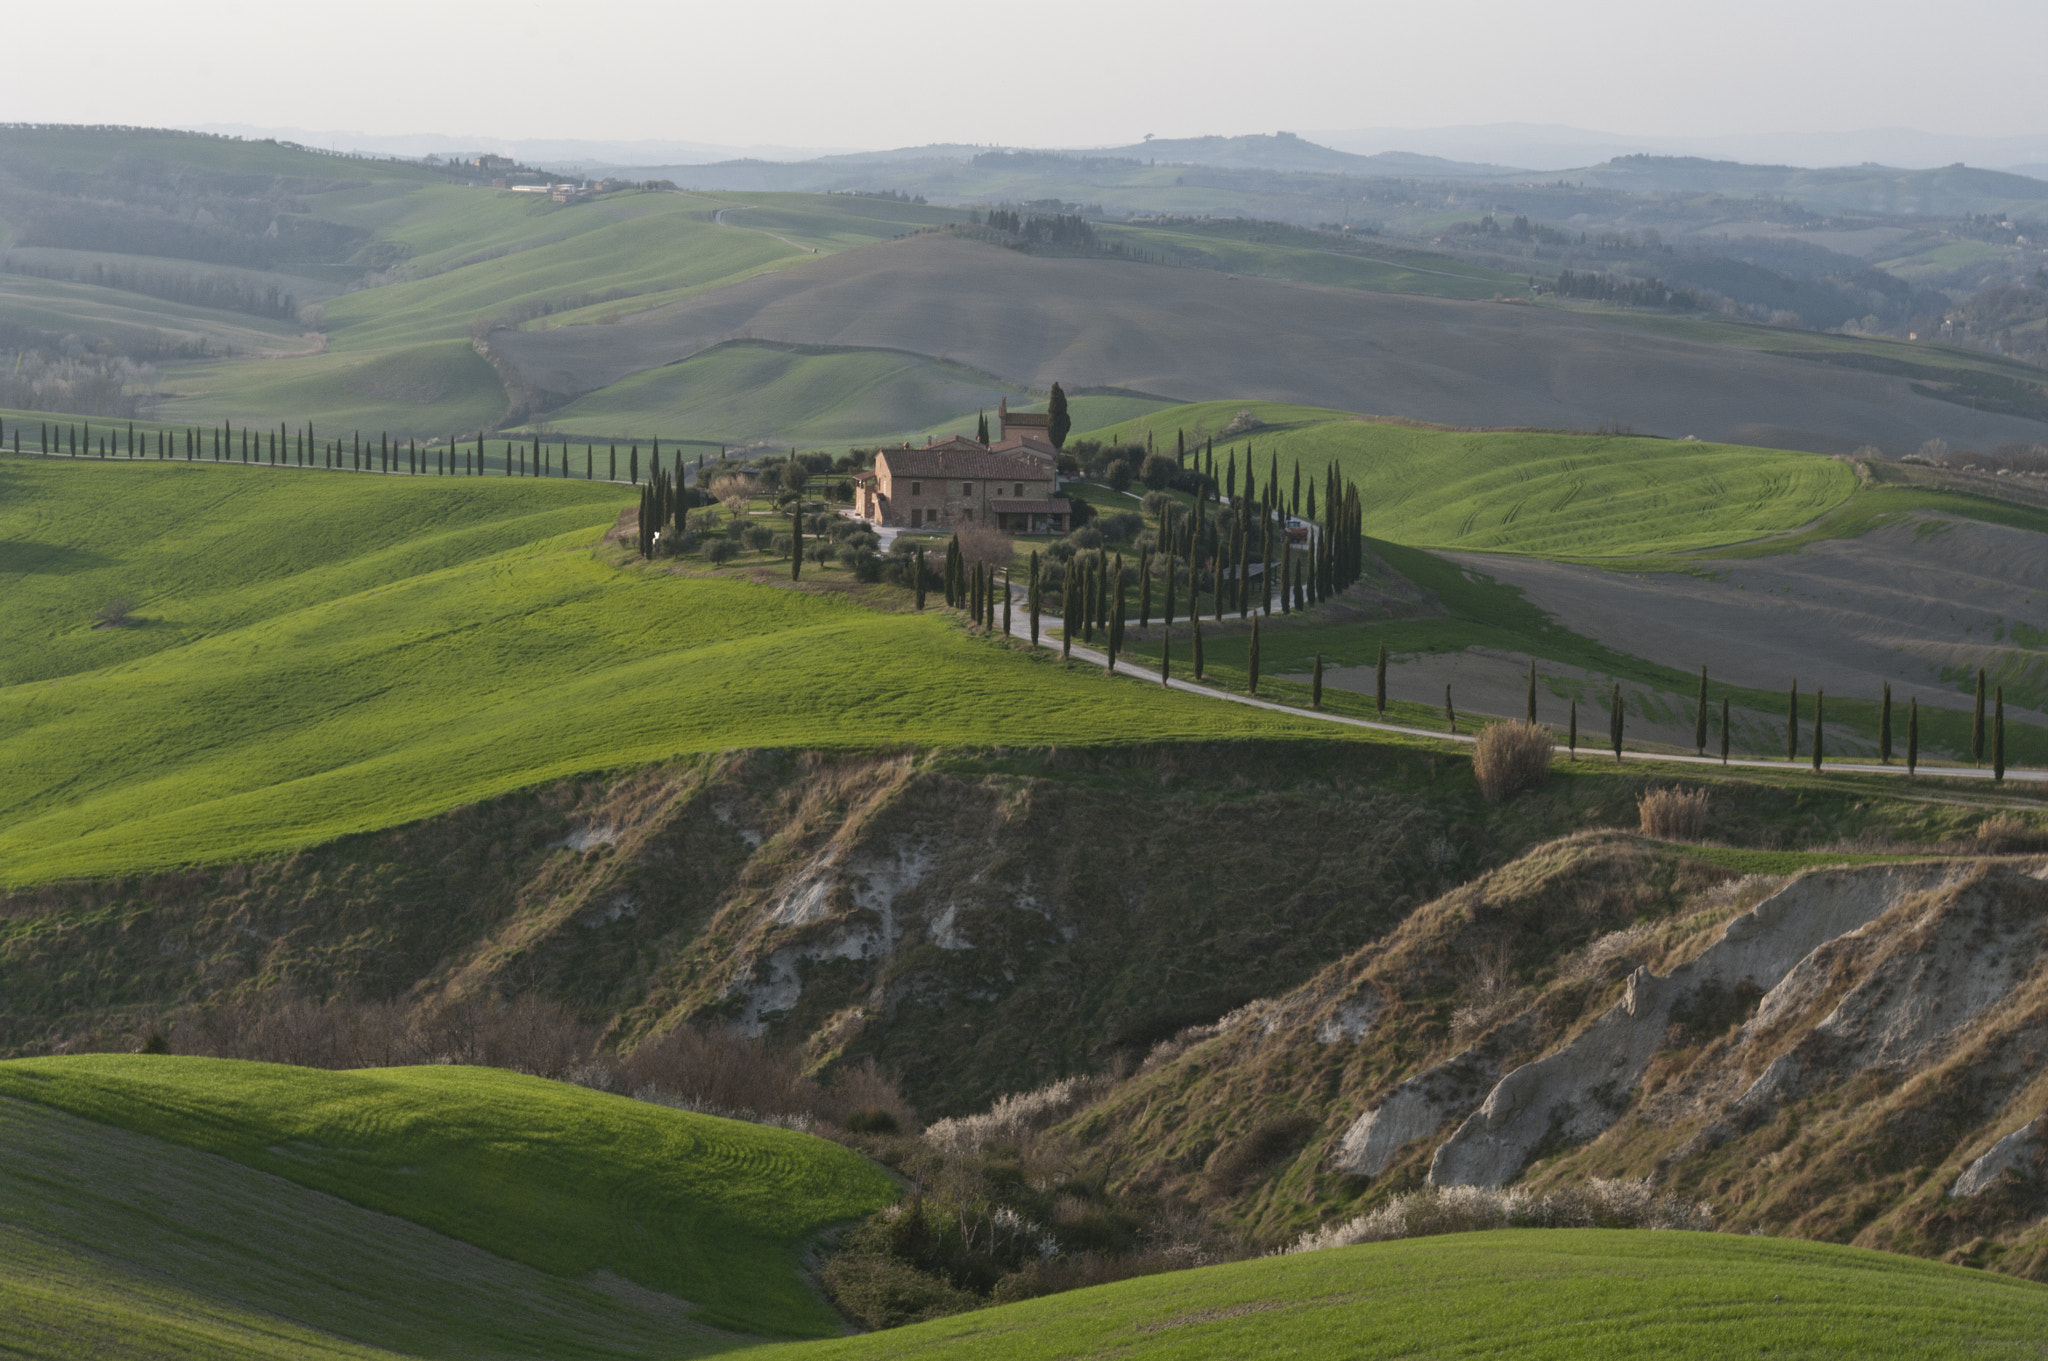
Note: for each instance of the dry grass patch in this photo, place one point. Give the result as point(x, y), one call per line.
point(1511, 757)
point(1673, 814)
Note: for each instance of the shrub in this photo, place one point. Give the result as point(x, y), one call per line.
point(879, 1291)
point(2007, 833)
point(1013, 1117)
point(758, 537)
point(1119, 475)
point(782, 544)
point(1158, 472)
point(720, 550)
point(155, 1043)
point(1673, 814)
point(984, 544)
point(1511, 757)
point(1602, 1204)
point(870, 1120)
point(114, 613)
point(1118, 526)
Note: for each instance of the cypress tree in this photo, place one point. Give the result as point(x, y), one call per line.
point(1060, 422)
point(1820, 699)
point(1792, 722)
point(1699, 722)
point(612, 449)
point(796, 538)
point(1572, 733)
point(1532, 691)
point(1315, 685)
point(1069, 589)
point(981, 429)
point(1379, 683)
point(1615, 721)
point(1884, 725)
point(918, 568)
point(1034, 597)
point(633, 464)
point(1166, 614)
point(1252, 670)
point(1724, 730)
point(1006, 602)
point(1912, 734)
point(1166, 657)
point(1115, 632)
point(1196, 620)
point(590, 461)
point(1977, 724)
point(1998, 736)
point(1450, 714)
point(1145, 589)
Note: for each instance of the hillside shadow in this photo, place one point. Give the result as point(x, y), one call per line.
point(47, 559)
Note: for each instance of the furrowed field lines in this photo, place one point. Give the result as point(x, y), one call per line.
point(707, 1210)
point(316, 656)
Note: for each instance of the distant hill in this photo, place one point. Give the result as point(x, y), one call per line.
point(1954, 190)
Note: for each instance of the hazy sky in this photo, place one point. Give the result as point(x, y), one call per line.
point(1059, 72)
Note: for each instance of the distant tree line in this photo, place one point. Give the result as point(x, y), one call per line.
point(221, 291)
point(1626, 291)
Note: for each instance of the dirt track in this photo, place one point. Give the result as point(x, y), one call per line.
point(1192, 333)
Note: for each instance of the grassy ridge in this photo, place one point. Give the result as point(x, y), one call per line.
point(556, 1177)
point(1533, 1293)
point(323, 655)
point(798, 394)
point(1537, 492)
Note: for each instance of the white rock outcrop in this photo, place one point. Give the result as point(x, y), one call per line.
point(2017, 1149)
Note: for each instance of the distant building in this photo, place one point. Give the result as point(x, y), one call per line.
point(489, 164)
point(1011, 485)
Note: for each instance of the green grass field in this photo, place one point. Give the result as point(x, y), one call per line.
point(564, 1180)
point(1552, 495)
point(751, 390)
point(320, 654)
point(1440, 276)
point(1532, 1293)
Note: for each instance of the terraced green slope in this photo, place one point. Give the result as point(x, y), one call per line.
point(1568, 1294)
point(1552, 495)
point(117, 1244)
point(324, 653)
point(561, 1179)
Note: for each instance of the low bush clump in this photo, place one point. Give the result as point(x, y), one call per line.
point(2006, 833)
point(1511, 757)
point(1599, 1204)
point(1673, 814)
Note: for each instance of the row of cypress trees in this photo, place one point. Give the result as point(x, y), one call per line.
point(301, 447)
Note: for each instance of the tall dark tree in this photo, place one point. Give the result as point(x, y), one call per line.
point(1884, 725)
point(1699, 722)
point(1315, 685)
point(1057, 428)
point(1912, 734)
point(1034, 597)
point(1379, 683)
point(1166, 656)
point(1251, 684)
point(1450, 714)
point(1977, 724)
point(1145, 588)
point(1615, 721)
point(1792, 722)
point(981, 429)
point(918, 568)
point(1006, 602)
point(1820, 700)
point(1196, 620)
point(1532, 691)
point(796, 539)
point(1571, 737)
point(1115, 631)
point(1998, 736)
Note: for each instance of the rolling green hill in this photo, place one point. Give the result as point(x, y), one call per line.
point(321, 654)
point(564, 1180)
point(1563, 1293)
point(1555, 495)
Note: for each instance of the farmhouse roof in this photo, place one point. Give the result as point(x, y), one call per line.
point(945, 461)
point(1030, 444)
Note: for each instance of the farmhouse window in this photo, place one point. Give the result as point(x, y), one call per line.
point(1020, 489)
point(967, 489)
point(917, 489)
point(916, 517)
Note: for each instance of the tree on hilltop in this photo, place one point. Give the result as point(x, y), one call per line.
point(1061, 422)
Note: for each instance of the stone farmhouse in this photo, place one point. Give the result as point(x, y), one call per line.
point(1012, 483)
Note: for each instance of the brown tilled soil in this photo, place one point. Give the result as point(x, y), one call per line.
point(1901, 603)
point(1198, 334)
